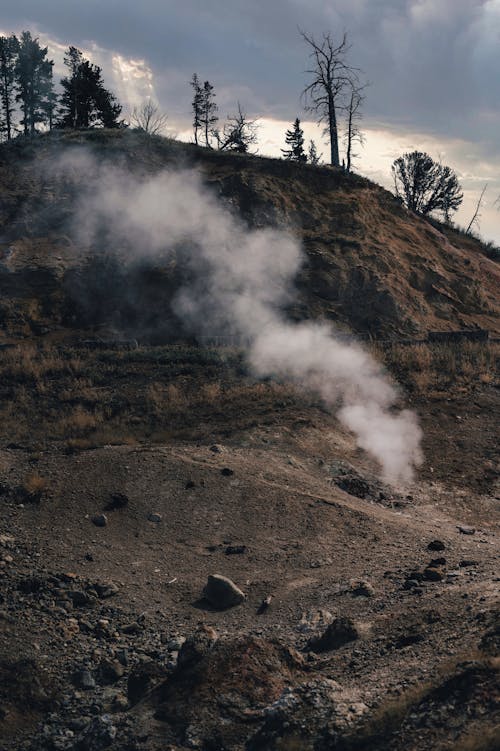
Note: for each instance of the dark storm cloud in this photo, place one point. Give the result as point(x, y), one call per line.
point(433, 64)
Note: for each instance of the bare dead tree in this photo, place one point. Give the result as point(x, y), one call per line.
point(331, 75)
point(239, 133)
point(149, 118)
point(353, 133)
point(476, 216)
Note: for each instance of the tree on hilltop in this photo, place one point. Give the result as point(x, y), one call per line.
point(33, 73)
point(312, 155)
point(239, 133)
point(196, 105)
point(353, 133)
point(331, 77)
point(425, 186)
point(85, 102)
point(148, 118)
point(9, 48)
point(294, 137)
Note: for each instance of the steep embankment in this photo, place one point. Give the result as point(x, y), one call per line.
point(370, 266)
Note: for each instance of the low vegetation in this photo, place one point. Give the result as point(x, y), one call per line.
point(83, 398)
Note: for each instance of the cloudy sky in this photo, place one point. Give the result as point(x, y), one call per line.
point(433, 66)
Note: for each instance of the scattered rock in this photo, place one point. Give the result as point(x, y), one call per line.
point(339, 632)
point(433, 575)
point(109, 671)
point(361, 588)
point(264, 605)
point(314, 620)
point(197, 646)
point(142, 678)
point(131, 628)
point(154, 517)
point(436, 545)
point(106, 589)
point(100, 520)
point(222, 593)
point(84, 679)
point(117, 501)
point(466, 530)
point(437, 562)
point(235, 549)
point(99, 734)
point(81, 599)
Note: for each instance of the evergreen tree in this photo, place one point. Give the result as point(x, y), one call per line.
point(295, 139)
point(9, 48)
point(313, 156)
point(34, 82)
point(197, 105)
point(208, 111)
point(85, 102)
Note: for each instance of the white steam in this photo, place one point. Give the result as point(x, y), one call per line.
point(240, 281)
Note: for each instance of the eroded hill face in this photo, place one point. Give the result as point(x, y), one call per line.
point(369, 265)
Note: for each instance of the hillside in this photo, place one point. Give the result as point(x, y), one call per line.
point(370, 266)
point(172, 409)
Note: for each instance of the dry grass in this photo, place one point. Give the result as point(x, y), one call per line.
point(91, 398)
point(426, 368)
point(34, 485)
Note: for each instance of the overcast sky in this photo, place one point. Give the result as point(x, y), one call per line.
point(433, 65)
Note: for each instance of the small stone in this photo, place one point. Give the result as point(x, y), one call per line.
point(100, 520)
point(436, 545)
point(466, 530)
point(222, 593)
point(154, 517)
point(226, 472)
point(361, 588)
point(117, 501)
point(131, 628)
point(197, 646)
point(141, 679)
point(109, 671)
point(433, 575)
point(190, 485)
point(437, 562)
point(81, 599)
point(338, 633)
point(120, 703)
point(466, 562)
point(106, 589)
point(236, 549)
point(216, 448)
point(83, 679)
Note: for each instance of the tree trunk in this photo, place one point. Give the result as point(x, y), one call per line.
point(334, 138)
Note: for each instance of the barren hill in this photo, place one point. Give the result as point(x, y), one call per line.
point(370, 266)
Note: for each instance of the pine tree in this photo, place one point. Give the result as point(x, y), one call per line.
point(197, 105)
point(34, 82)
point(85, 102)
point(295, 139)
point(313, 156)
point(208, 111)
point(9, 48)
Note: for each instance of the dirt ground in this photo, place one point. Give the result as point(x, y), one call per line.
point(93, 618)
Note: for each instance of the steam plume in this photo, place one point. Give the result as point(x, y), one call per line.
point(242, 279)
